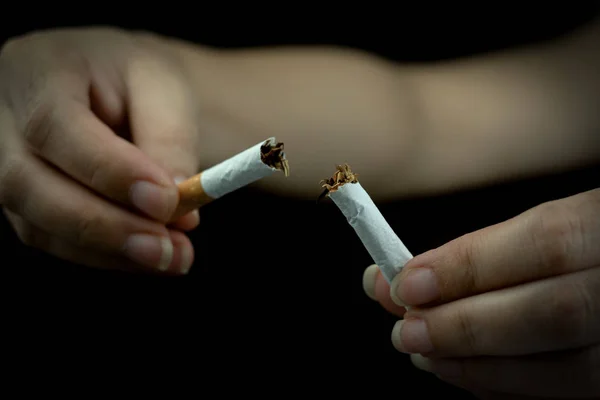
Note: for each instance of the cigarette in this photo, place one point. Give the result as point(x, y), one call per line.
point(383, 245)
point(251, 165)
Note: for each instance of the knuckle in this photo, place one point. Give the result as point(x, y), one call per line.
point(94, 176)
point(466, 330)
point(467, 253)
point(94, 173)
point(87, 229)
point(571, 314)
point(100, 173)
point(555, 234)
point(39, 125)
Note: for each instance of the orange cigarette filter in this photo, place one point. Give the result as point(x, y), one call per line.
point(255, 163)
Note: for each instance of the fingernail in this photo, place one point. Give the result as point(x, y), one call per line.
point(156, 201)
point(411, 336)
point(394, 290)
point(369, 279)
point(186, 260)
point(421, 362)
point(149, 250)
point(196, 215)
point(418, 286)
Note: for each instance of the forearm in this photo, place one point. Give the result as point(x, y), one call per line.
point(406, 130)
point(512, 114)
point(328, 105)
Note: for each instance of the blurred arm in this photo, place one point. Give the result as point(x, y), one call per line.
point(406, 129)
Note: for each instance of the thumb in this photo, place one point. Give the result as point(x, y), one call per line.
point(163, 121)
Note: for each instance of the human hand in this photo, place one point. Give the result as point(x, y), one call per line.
point(95, 125)
point(509, 311)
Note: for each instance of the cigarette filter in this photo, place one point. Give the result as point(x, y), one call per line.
point(384, 246)
point(252, 164)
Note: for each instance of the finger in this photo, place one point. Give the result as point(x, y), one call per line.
point(377, 288)
point(183, 257)
point(552, 239)
point(163, 118)
point(558, 375)
point(51, 201)
point(68, 135)
point(554, 314)
point(35, 237)
point(187, 222)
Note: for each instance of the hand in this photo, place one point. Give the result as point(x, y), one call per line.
point(512, 310)
point(95, 125)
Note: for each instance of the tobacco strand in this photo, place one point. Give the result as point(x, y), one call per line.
point(341, 176)
point(274, 156)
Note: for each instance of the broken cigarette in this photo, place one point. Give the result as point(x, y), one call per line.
point(384, 246)
point(251, 165)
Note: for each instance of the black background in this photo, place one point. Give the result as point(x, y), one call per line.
point(275, 291)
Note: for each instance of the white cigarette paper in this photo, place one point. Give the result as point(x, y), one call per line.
point(382, 243)
point(251, 165)
point(236, 172)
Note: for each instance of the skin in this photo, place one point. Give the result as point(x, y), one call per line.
point(71, 183)
point(431, 128)
point(507, 324)
point(97, 124)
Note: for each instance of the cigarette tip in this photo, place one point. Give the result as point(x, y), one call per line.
point(272, 155)
point(341, 176)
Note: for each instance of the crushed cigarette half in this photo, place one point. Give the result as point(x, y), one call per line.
point(272, 154)
point(341, 176)
point(382, 243)
point(251, 165)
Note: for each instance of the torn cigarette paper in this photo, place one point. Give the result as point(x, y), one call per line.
point(248, 166)
point(382, 243)
point(236, 172)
